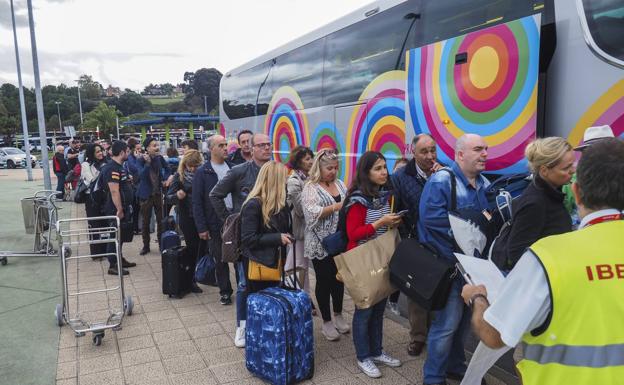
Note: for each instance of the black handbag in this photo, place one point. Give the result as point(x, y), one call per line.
point(80, 196)
point(421, 275)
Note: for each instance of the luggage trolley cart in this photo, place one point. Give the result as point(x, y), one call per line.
point(40, 215)
point(74, 233)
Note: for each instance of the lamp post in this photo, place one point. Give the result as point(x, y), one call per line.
point(58, 111)
point(22, 103)
point(79, 102)
point(206, 104)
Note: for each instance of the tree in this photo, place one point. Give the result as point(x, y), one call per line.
point(104, 117)
point(130, 103)
point(204, 82)
point(90, 88)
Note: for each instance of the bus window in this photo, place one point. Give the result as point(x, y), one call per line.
point(357, 54)
point(444, 19)
point(240, 91)
point(301, 69)
point(605, 26)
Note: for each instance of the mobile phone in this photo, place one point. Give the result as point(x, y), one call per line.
point(402, 213)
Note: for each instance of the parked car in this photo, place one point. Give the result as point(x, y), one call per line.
point(11, 157)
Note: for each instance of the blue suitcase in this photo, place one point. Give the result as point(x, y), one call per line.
point(279, 346)
point(169, 239)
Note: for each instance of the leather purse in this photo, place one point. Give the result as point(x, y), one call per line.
point(259, 272)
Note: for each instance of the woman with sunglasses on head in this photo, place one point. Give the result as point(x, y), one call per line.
point(322, 199)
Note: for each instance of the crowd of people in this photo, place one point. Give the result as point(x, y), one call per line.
point(287, 210)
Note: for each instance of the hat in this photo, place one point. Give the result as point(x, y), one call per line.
point(147, 141)
point(595, 134)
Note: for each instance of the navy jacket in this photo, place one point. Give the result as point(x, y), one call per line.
point(408, 187)
point(145, 182)
point(206, 218)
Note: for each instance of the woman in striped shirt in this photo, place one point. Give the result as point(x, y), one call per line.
point(368, 216)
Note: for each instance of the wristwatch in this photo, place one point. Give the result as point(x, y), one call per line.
point(474, 297)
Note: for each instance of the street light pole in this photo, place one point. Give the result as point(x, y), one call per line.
point(22, 103)
point(45, 161)
point(79, 102)
point(58, 112)
point(206, 104)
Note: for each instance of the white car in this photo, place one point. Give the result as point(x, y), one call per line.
point(11, 157)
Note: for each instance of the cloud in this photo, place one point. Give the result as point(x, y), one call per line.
point(21, 18)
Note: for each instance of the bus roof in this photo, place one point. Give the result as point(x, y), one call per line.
point(360, 14)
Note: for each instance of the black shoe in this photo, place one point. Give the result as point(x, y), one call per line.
point(460, 377)
point(97, 258)
point(113, 271)
point(137, 232)
point(415, 348)
point(437, 383)
point(195, 288)
point(144, 251)
point(125, 263)
point(226, 299)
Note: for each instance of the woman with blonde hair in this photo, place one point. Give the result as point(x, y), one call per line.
point(322, 199)
point(265, 223)
point(180, 193)
point(540, 211)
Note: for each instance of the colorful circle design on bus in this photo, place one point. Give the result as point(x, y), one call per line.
point(378, 124)
point(286, 123)
point(327, 136)
point(608, 109)
point(222, 130)
point(484, 83)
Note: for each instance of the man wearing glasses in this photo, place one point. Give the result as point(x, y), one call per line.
point(239, 181)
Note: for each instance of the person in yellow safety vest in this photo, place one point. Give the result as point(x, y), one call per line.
point(565, 298)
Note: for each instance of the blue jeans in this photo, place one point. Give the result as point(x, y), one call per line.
point(60, 184)
point(368, 330)
point(445, 342)
point(241, 293)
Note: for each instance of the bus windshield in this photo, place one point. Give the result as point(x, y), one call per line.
point(605, 20)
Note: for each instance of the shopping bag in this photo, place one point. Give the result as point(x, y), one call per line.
point(365, 269)
point(205, 270)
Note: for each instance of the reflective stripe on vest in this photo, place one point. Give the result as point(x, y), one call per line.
point(588, 356)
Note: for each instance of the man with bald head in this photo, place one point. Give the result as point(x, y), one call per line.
point(238, 182)
point(445, 341)
point(59, 164)
point(207, 221)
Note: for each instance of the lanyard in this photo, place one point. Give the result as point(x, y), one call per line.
point(604, 218)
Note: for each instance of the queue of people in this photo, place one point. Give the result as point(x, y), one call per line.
point(287, 212)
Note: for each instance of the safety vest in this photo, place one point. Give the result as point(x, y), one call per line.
point(583, 339)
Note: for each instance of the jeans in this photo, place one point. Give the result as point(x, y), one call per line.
point(241, 292)
point(445, 342)
point(368, 330)
point(60, 184)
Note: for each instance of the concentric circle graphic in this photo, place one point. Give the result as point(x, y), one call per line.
point(327, 136)
point(493, 93)
point(286, 123)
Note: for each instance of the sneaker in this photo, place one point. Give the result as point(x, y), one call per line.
point(144, 250)
point(369, 368)
point(394, 308)
point(341, 325)
point(385, 359)
point(239, 339)
point(126, 263)
point(225, 299)
point(113, 271)
point(329, 331)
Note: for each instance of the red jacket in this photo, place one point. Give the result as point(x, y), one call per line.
point(357, 228)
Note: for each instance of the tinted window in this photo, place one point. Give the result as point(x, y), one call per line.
point(301, 69)
point(444, 19)
point(239, 92)
point(359, 53)
point(605, 19)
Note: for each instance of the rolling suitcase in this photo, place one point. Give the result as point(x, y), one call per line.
point(177, 271)
point(279, 341)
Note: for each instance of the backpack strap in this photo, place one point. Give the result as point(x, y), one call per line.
point(453, 188)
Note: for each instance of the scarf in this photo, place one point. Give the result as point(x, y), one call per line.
point(188, 177)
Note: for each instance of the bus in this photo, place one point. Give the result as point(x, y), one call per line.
point(508, 70)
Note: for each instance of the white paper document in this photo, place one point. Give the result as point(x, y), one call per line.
point(483, 272)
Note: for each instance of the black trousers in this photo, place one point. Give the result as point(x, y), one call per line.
point(223, 269)
point(154, 201)
point(92, 212)
point(195, 246)
point(327, 287)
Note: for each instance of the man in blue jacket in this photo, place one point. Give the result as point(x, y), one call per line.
point(445, 346)
point(153, 173)
point(408, 183)
point(207, 221)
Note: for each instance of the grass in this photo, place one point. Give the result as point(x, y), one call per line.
point(163, 101)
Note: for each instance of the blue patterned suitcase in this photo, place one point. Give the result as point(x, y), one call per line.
point(279, 344)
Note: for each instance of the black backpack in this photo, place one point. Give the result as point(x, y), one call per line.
point(98, 192)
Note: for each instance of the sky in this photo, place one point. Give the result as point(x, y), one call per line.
point(131, 43)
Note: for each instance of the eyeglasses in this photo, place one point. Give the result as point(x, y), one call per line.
point(263, 145)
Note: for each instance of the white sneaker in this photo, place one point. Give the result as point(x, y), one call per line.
point(369, 368)
point(239, 339)
point(341, 325)
point(394, 308)
point(385, 359)
point(329, 331)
